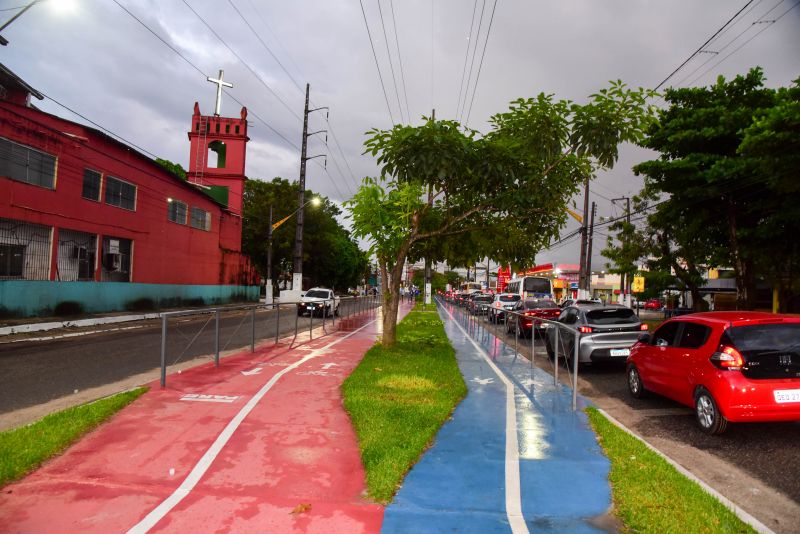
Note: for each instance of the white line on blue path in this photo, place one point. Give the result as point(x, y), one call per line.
point(513, 494)
point(208, 458)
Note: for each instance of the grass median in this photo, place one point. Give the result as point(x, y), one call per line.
point(650, 495)
point(24, 449)
point(398, 399)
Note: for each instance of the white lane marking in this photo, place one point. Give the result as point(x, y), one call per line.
point(328, 365)
point(513, 494)
point(188, 484)
point(197, 397)
point(483, 381)
point(251, 372)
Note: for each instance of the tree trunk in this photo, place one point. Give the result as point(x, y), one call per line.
point(740, 266)
point(391, 301)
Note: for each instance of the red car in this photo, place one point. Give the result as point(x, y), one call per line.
point(653, 304)
point(729, 366)
point(524, 320)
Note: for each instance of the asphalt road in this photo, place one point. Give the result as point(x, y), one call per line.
point(35, 372)
point(766, 452)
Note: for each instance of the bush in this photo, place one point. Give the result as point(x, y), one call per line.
point(68, 307)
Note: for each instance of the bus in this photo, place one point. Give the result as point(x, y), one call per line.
point(531, 287)
point(470, 287)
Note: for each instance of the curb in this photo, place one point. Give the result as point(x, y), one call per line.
point(757, 525)
point(40, 327)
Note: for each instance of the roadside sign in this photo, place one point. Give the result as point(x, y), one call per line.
point(638, 284)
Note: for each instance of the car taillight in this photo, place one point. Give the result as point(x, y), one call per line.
point(585, 329)
point(529, 314)
point(728, 358)
point(643, 327)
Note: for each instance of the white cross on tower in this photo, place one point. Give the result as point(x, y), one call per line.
point(220, 85)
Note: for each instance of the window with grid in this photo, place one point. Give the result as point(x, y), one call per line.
point(26, 164)
point(120, 194)
point(91, 185)
point(176, 211)
point(201, 219)
point(12, 261)
point(24, 250)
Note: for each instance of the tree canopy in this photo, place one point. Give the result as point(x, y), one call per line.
point(723, 191)
point(331, 258)
point(450, 194)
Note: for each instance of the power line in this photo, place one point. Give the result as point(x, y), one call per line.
point(374, 55)
point(466, 57)
point(265, 45)
point(480, 66)
point(265, 123)
point(243, 62)
point(391, 64)
point(400, 60)
point(472, 63)
point(768, 25)
point(703, 45)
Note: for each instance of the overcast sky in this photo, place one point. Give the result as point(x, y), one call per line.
point(95, 58)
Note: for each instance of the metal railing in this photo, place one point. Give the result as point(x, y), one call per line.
point(563, 340)
point(228, 322)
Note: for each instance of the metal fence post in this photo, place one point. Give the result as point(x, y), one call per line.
point(277, 321)
point(163, 351)
point(311, 325)
point(253, 330)
point(575, 356)
point(216, 338)
point(555, 355)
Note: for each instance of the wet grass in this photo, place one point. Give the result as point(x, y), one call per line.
point(650, 495)
point(24, 449)
point(398, 399)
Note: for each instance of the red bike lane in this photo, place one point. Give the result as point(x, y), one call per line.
point(262, 443)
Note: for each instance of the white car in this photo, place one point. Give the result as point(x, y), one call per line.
point(501, 303)
point(318, 301)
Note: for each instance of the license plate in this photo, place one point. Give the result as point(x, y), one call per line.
point(786, 395)
point(620, 352)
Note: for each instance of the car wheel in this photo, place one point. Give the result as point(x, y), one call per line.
point(336, 311)
point(635, 385)
point(550, 353)
point(709, 417)
point(299, 313)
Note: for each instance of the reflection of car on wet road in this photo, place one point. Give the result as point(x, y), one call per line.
point(729, 366)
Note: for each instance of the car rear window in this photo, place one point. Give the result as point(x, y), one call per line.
point(510, 298)
point(782, 337)
point(539, 304)
point(612, 316)
point(484, 299)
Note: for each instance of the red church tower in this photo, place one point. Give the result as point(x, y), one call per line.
point(218, 146)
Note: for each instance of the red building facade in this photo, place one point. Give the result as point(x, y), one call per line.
point(95, 217)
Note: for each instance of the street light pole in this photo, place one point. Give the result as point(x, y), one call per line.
point(268, 296)
point(3, 40)
point(625, 283)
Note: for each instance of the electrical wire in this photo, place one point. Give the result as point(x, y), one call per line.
point(480, 66)
point(400, 59)
point(472, 62)
point(374, 55)
point(466, 58)
point(391, 64)
point(702, 46)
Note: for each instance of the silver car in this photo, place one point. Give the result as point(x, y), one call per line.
point(606, 333)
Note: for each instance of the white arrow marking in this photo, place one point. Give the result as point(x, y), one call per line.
point(255, 371)
point(483, 381)
point(327, 366)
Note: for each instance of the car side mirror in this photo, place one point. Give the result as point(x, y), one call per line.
point(644, 338)
point(661, 342)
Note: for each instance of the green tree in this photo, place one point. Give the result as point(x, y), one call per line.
point(331, 257)
point(725, 204)
point(174, 168)
point(452, 195)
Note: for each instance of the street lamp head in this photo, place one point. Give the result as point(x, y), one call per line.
point(316, 201)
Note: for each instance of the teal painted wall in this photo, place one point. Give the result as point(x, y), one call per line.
point(27, 298)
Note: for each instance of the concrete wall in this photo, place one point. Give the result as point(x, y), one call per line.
point(27, 298)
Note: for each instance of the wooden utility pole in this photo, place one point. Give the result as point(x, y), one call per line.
point(268, 296)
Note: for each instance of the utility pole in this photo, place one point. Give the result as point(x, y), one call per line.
point(427, 298)
point(268, 296)
point(589, 253)
point(297, 269)
point(625, 281)
point(583, 284)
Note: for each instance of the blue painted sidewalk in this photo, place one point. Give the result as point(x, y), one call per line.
point(513, 458)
